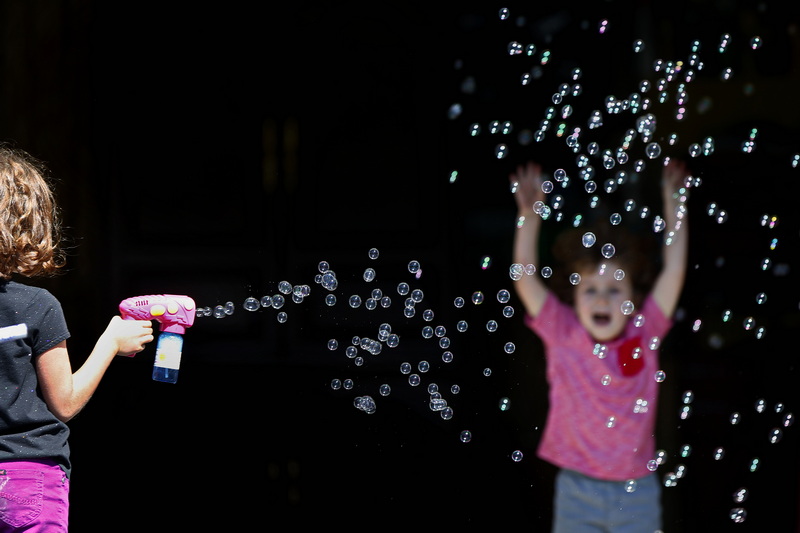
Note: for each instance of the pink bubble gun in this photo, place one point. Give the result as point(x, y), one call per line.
point(175, 313)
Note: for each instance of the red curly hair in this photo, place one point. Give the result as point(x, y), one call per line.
point(30, 226)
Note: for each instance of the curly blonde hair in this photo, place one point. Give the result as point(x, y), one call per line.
point(30, 226)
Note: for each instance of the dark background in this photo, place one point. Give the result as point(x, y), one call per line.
point(216, 151)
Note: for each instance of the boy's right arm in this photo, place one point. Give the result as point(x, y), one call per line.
point(527, 185)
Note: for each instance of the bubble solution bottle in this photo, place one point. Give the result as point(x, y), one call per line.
point(168, 357)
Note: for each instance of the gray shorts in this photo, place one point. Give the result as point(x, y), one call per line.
point(584, 504)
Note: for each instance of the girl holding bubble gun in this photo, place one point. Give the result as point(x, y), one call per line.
point(601, 341)
point(39, 392)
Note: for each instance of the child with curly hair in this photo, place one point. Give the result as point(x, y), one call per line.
point(39, 392)
point(601, 339)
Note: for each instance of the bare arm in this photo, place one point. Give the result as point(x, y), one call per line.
point(66, 393)
point(527, 181)
point(669, 283)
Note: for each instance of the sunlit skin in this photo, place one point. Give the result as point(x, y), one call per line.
point(598, 301)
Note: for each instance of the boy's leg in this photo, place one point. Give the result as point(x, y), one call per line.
point(579, 504)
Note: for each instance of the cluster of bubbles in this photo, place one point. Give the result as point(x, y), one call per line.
point(360, 347)
point(295, 293)
point(772, 435)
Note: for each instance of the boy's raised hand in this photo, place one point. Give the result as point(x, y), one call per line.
point(526, 182)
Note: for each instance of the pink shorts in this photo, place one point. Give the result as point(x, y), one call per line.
point(34, 496)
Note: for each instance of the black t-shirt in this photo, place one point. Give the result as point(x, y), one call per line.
point(28, 430)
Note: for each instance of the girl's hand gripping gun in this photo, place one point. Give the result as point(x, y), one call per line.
point(175, 313)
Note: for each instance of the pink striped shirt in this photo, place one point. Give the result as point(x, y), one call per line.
point(602, 413)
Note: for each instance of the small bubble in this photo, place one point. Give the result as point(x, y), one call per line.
point(465, 436)
point(504, 404)
point(516, 456)
point(761, 405)
point(738, 515)
point(653, 150)
point(627, 307)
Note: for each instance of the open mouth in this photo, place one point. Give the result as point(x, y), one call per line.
point(601, 319)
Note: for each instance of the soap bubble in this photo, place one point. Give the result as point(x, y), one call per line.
point(738, 515)
point(365, 403)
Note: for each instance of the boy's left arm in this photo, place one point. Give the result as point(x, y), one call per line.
point(675, 247)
